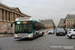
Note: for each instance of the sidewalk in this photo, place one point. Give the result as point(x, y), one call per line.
point(6, 35)
point(2, 36)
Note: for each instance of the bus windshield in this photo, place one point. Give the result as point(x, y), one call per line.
point(23, 28)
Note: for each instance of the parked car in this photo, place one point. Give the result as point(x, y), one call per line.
point(50, 31)
point(71, 33)
point(60, 31)
point(67, 29)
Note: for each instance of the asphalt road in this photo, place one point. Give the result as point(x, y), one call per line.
point(46, 42)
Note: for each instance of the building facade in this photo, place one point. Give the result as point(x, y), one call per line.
point(70, 21)
point(48, 23)
point(61, 23)
point(8, 15)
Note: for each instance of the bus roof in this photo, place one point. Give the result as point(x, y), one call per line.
point(27, 19)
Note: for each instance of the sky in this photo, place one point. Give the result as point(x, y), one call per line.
point(44, 9)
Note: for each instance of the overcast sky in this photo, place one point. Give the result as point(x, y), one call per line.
point(44, 9)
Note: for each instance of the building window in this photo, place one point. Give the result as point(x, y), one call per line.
point(9, 16)
point(2, 15)
point(13, 16)
point(6, 16)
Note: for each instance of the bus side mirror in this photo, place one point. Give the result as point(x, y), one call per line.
point(10, 27)
point(12, 24)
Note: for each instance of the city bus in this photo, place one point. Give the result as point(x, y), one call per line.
point(26, 27)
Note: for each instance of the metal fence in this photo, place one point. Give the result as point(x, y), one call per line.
point(6, 34)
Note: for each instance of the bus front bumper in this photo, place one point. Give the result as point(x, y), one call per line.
point(23, 37)
point(20, 37)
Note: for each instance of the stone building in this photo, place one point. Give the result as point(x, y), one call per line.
point(8, 15)
point(70, 20)
point(48, 23)
point(61, 23)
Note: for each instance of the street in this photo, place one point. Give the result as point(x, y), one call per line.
point(46, 42)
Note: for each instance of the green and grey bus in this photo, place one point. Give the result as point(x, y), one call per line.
point(26, 27)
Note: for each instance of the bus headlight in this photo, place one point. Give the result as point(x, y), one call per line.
point(30, 35)
point(15, 36)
